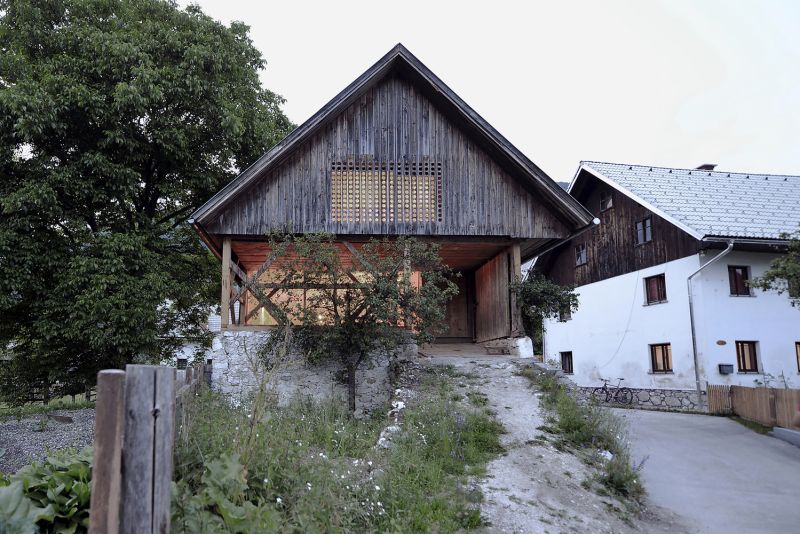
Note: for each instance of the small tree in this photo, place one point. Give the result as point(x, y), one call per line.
point(393, 291)
point(784, 272)
point(542, 299)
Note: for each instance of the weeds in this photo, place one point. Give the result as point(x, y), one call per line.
point(311, 467)
point(589, 427)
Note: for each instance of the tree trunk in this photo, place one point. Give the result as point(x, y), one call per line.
point(351, 387)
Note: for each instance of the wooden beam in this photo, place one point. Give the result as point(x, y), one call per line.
point(225, 296)
point(516, 271)
point(361, 259)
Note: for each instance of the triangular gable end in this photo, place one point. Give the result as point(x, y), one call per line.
point(551, 213)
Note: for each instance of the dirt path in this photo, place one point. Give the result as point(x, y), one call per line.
point(534, 487)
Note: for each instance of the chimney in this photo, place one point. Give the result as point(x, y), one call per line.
point(706, 167)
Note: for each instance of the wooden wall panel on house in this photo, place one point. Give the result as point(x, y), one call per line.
point(493, 299)
point(392, 128)
point(611, 247)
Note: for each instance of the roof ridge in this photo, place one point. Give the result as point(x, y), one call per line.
point(589, 162)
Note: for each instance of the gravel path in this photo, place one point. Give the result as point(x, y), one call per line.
point(534, 487)
point(32, 437)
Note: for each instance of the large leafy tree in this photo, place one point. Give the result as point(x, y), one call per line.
point(117, 119)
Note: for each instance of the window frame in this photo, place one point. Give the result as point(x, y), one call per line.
point(564, 314)
point(606, 195)
point(734, 291)
point(662, 290)
point(667, 366)
point(647, 230)
point(740, 356)
point(567, 356)
point(797, 354)
point(582, 247)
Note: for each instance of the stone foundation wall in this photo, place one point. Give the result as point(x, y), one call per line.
point(237, 371)
point(682, 400)
point(653, 399)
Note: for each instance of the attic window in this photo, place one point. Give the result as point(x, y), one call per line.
point(369, 191)
point(606, 201)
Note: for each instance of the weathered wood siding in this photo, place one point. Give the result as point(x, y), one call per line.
point(493, 299)
point(391, 122)
point(611, 246)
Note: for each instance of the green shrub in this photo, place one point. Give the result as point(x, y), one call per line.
point(49, 496)
point(621, 477)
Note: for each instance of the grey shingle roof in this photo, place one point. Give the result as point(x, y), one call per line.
point(711, 203)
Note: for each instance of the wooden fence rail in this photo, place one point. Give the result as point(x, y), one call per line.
point(767, 406)
point(135, 425)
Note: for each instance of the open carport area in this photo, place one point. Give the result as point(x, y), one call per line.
point(716, 473)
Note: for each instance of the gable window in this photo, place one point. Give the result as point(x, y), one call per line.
point(797, 354)
point(644, 231)
point(661, 358)
point(738, 277)
point(566, 362)
point(794, 288)
point(564, 314)
point(580, 254)
point(746, 358)
point(606, 201)
point(655, 288)
point(181, 363)
point(370, 191)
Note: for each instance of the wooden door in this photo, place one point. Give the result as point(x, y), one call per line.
point(457, 315)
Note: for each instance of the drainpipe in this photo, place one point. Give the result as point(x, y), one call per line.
point(691, 318)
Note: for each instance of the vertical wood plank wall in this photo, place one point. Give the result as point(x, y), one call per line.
point(393, 121)
point(493, 312)
point(611, 248)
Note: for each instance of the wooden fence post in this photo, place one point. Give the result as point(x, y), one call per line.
point(147, 449)
point(106, 472)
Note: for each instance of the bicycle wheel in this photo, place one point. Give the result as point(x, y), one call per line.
point(600, 394)
point(624, 396)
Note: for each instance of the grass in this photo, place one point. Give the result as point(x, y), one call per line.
point(590, 429)
point(33, 408)
point(752, 425)
point(310, 467)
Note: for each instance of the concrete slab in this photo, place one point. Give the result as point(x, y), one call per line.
point(787, 434)
point(718, 474)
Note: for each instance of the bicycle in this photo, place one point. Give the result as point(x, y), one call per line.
point(617, 393)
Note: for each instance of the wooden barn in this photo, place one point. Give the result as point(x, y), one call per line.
point(397, 152)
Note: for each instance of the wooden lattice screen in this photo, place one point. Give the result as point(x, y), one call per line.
point(369, 191)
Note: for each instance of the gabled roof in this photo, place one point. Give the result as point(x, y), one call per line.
point(400, 60)
point(707, 203)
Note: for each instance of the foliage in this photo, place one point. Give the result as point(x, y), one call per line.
point(540, 299)
point(314, 468)
point(117, 119)
point(49, 496)
point(590, 427)
point(784, 272)
point(64, 403)
point(351, 312)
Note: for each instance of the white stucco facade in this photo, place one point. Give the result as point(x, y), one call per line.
point(611, 333)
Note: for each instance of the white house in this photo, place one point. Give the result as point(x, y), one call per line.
point(664, 298)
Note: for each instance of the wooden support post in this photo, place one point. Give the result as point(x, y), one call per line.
point(516, 275)
point(225, 297)
point(107, 458)
point(147, 449)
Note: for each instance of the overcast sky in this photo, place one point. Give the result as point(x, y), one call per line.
point(672, 83)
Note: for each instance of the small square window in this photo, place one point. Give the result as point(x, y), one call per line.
point(566, 362)
point(661, 358)
point(655, 289)
point(746, 357)
point(565, 314)
point(644, 231)
point(580, 255)
point(606, 201)
point(793, 285)
point(738, 277)
point(181, 364)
